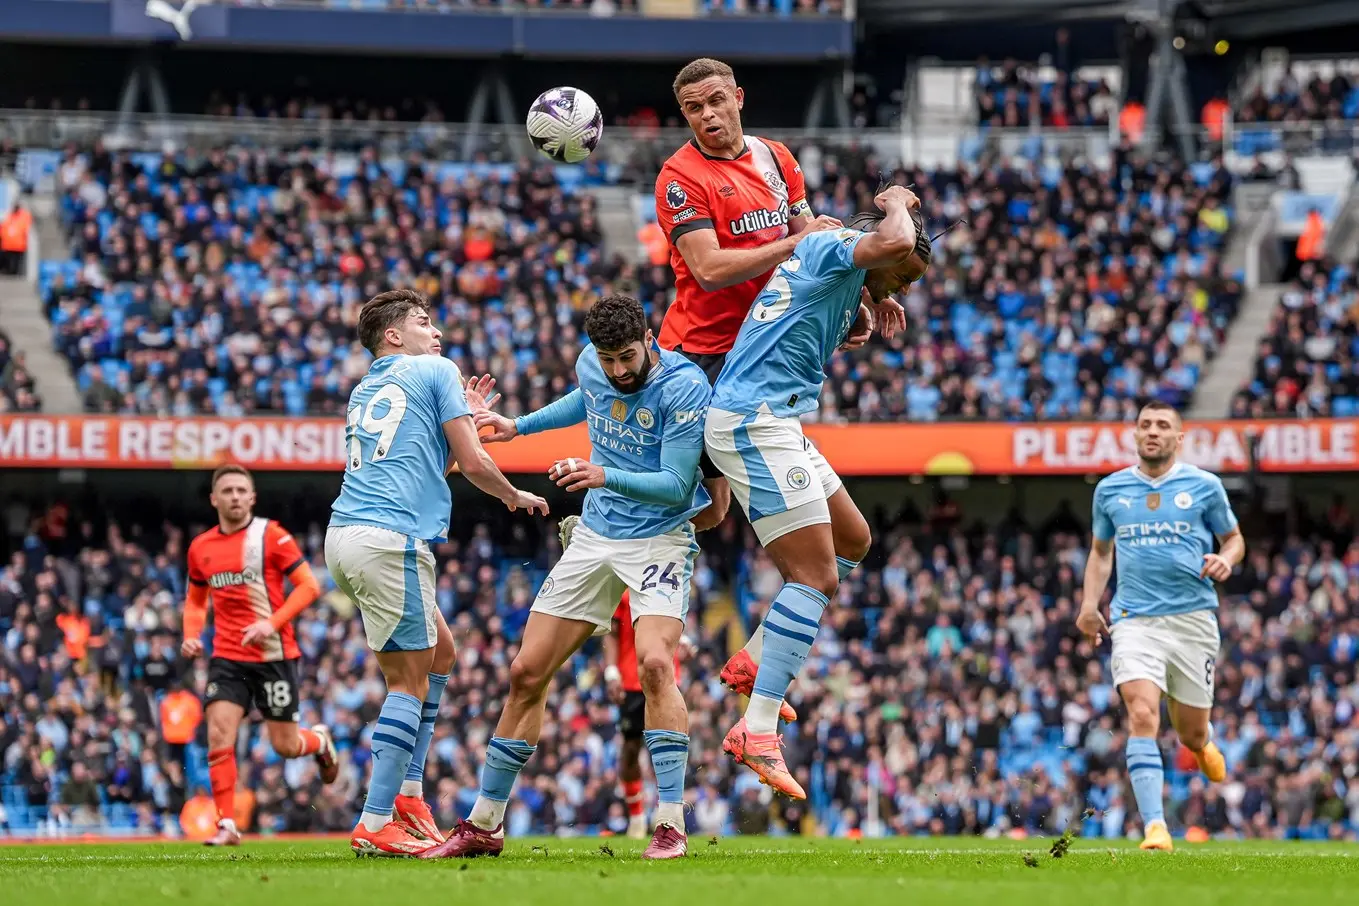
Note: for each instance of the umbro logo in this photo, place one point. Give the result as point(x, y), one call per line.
point(727, 191)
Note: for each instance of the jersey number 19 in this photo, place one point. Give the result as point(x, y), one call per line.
point(365, 418)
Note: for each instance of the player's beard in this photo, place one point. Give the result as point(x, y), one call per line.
point(638, 378)
point(1163, 455)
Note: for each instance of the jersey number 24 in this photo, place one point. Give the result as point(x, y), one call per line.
point(366, 419)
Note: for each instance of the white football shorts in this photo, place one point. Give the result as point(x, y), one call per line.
point(781, 480)
point(589, 579)
point(1177, 652)
point(390, 578)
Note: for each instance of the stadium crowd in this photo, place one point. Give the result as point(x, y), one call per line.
point(1298, 98)
point(228, 281)
point(948, 691)
point(1014, 95)
point(1307, 365)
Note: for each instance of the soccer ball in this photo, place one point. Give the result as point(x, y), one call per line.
point(565, 124)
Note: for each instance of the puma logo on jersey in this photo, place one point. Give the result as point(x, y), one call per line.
point(1127, 502)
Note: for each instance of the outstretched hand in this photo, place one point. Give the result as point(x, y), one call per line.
point(479, 395)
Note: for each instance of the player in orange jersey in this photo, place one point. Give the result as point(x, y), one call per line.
point(625, 690)
point(240, 565)
point(733, 206)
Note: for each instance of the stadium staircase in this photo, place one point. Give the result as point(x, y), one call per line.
point(617, 220)
point(22, 317)
point(1235, 361)
point(1247, 255)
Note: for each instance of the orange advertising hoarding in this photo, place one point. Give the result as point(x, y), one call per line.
point(303, 444)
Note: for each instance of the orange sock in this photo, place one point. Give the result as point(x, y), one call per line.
point(311, 742)
point(632, 795)
point(222, 773)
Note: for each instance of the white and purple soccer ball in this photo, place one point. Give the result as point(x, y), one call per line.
point(565, 124)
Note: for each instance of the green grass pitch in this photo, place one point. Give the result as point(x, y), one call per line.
point(776, 872)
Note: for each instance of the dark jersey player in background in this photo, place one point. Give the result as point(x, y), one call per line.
point(240, 566)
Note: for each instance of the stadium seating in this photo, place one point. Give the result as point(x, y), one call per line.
point(1302, 97)
point(947, 683)
point(1306, 363)
point(1063, 292)
point(197, 290)
point(1012, 95)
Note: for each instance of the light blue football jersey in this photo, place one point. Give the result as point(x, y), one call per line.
point(628, 431)
point(1161, 529)
point(396, 453)
point(798, 320)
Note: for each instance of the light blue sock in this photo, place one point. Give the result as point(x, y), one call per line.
point(789, 632)
point(669, 758)
point(505, 758)
point(1147, 776)
point(845, 566)
point(393, 741)
point(428, 713)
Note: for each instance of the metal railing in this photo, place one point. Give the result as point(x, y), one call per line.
point(637, 151)
point(1293, 138)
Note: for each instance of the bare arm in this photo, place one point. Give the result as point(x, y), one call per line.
point(1099, 566)
point(895, 237)
point(476, 464)
point(717, 268)
point(1231, 550)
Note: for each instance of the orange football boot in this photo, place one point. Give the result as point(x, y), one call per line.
point(739, 676)
point(762, 754)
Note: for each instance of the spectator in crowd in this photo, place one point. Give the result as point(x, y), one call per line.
point(17, 390)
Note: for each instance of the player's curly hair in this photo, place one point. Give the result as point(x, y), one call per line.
point(384, 310)
point(615, 322)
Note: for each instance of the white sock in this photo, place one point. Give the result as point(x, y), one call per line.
point(755, 646)
point(414, 788)
point(374, 823)
point(671, 813)
point(762, 714)
point(487, 814)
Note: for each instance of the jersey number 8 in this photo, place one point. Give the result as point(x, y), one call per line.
point(384, 426)
point(783, 293)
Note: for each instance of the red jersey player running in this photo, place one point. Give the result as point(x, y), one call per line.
point(240, 565)
point(625, 689)
point(734, 207)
